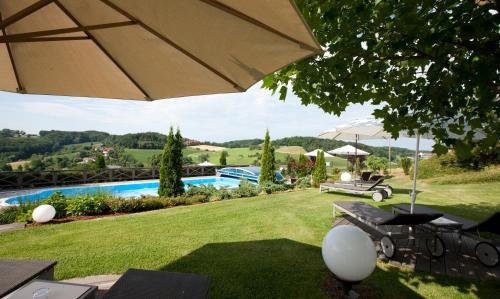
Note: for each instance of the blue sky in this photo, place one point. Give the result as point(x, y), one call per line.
point(213, 118)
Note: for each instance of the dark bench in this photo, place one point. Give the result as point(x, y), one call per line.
point(15, 273)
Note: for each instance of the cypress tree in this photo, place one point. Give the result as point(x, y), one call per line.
point(179, 185)
point(272, 162)
point(265, 161)
point(100, 163)
point(222, 159)
point(171, 166)
point(319, 175)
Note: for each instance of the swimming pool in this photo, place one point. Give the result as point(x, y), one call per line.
point(129, 189)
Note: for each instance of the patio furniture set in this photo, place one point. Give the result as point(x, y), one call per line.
point(428, 225)
point(34, 279)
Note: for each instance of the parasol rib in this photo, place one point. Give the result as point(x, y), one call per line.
point(9, 51)
point(101, 47)
point(171, 43)
point(257, 23)
point(20, 36)
point(24, 12)
point(46, 39)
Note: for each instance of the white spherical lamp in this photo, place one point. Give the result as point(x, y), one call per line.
point(345, 177)
point(349, 253)
point(43, 213)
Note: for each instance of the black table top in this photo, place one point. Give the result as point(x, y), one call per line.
point(15, 273)
point(136, 283)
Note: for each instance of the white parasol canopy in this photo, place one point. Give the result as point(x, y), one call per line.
point(358, 129)
point(206, 163)
point(147, 50)
point(348, 150)
point(315, 152)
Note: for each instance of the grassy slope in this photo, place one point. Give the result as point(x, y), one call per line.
point(263, 247)
point(237, 156)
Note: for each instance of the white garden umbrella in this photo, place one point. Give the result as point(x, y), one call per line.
point(356, 130)
point(315, 153)
point(373, 129)
point(147, 50)
point(206, 163)
point(348, 150)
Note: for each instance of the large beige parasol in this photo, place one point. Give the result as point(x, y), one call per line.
point(148, 49)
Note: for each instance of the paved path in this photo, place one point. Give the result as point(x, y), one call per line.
point(11, 227)
point(103, 282)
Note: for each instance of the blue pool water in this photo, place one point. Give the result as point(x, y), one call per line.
point(124, 189)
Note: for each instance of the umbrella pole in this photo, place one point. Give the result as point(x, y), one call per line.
point(355, 159)
point(389, 140)
point(415, 166)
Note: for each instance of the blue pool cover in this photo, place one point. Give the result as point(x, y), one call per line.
point(250, 173)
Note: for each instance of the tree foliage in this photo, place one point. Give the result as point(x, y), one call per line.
point(406, 165)
point(319, 175)
point(223, 158)
point(428, 66)
point(267, 161)
point(376, 164)
point(100, 163)
point(171, 184)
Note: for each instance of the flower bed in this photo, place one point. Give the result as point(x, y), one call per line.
point(103, 204)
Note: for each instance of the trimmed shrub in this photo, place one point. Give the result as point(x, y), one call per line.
point(246, 189)
point(9, 214)
point(122, 205)
point(269, 187)
point(59, 202)
point(202, 191)
point(406, 165)
point(84, 205)
point(303, 183)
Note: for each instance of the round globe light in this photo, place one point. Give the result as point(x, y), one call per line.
point(345, 177)
point(349, 253)
point(44, 213)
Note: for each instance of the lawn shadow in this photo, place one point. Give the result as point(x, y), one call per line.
point(279, 268)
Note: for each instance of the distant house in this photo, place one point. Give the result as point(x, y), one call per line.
point(190, 142)
point(86, 160)
point(424, 155)
point(105, 150)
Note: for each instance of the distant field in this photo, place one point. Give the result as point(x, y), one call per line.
point(241, 155)
point(16, 164)
point(292, 150)
point(143, 155)
point(211, 148)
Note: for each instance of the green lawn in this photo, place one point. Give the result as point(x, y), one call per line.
point(143, 155)
point(237, 156)
point(262, 247)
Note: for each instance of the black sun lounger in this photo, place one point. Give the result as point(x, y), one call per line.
point(380, 220)
point(377, 192)
point(486, 251)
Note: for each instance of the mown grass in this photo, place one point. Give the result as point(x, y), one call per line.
point(262, 247)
